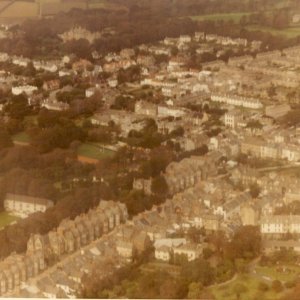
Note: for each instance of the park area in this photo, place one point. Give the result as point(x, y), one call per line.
point(282, 273)
point(6, 219)
point(245, 287)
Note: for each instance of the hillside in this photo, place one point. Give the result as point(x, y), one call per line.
point(22, 9)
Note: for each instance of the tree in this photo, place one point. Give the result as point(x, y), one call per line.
point(195, 290)
point(277, 286)
point(246, 243)
point(254, 124)
point(292, 118)
point(254, 190)
point(159, 185)
point(224, 270)
point(5, 139)
point(130, 74)
point(177, 132)
point(262, 286)
point(272, 91)
point(239, 289)
point(241, 265)
point(59, 136)
point(294, 294)
point(81, 48)
point(17, 108)
point(207, 253)
point(174, 50)
point(169, 289)
point(198, 270)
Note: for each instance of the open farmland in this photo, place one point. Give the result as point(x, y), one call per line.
point(290, 32)
point(215, 17)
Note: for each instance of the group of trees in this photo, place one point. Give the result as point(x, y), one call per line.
point(40, 37)
point(17, 107)
point(130, 74)
point(148, 137)
point(5, 139)
point(143, 22)
point(189, 282)
point(245, 244)
point(54, 130)
point(185, 279)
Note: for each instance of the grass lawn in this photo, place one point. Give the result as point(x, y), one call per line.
point(94, 151)
point(97, 4)
point(21, 137)
point(215, 17)
point(291, 274)
point(227, 292)
point(160, 266)
point(6, 219)
point(289, 32)
point(31, 120)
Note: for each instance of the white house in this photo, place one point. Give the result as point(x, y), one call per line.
point(27, 89)
point(24, 205)
point(191, 251)
point(237, 101)
point(280, 224)
point(125, 250)
point(163, 253)
point(112, 82)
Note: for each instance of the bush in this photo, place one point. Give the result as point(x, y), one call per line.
point(290, 284)
point(277, 286)
point(207, 253)
point(263, 287)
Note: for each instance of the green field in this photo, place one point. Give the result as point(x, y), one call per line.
point(290, 32)
point(31, 120)
point(94, 151)
point(6, 219)
point(227, 291)
point(21, 137)
point(225, 17)
point(98, 4)
point(291, 273)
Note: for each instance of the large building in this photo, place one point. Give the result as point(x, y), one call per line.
point(237, 101)
point(232, 118)
point(271, 246)
point(23, 206)
point(280, 224)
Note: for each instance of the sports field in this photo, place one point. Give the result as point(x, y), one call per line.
point(94, 151)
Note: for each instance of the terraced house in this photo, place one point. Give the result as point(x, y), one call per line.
point(70, 236)
point(186, 173)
